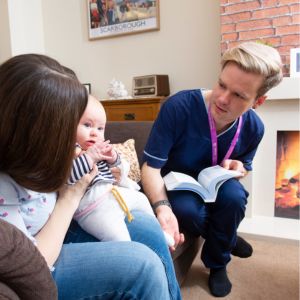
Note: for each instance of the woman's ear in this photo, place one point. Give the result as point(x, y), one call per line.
point(259, 101)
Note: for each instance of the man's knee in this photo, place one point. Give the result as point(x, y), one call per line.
point(232, 195)
point(190, 212)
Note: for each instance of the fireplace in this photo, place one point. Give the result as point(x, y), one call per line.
point(280, 113)
point(287, 183)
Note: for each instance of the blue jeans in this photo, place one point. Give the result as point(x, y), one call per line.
point(89, 269)
point(216, 222)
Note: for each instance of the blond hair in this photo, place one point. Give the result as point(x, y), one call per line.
point(257, 58)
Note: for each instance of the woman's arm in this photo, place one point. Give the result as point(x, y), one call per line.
point(50, 238)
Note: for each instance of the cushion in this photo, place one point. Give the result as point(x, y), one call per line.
point(127, 151)
point(22, 268)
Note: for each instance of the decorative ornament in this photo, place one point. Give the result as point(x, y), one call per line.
point(116, 90)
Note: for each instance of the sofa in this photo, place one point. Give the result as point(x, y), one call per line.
point(24, 273)
point(118, 132)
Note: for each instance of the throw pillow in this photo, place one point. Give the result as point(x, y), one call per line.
point(127, 151)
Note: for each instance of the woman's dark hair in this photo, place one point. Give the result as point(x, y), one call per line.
point(41, 103)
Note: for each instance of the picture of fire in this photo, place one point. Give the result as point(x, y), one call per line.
point(287, 186)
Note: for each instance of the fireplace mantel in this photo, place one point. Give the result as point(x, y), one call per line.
point(288, 89)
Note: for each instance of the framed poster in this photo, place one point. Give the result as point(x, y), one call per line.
point(295, 62)
point(88, 87)
point(110, 18)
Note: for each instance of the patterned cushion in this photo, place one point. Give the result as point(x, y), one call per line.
point(127, 152)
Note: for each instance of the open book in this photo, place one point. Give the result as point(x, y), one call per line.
point(208, 184)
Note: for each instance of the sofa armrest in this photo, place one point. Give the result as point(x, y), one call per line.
point(22, 268)
point(7, 293)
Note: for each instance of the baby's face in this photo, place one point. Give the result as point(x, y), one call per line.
point(91, 126)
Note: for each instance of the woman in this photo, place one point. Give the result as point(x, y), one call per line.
point(41, 103)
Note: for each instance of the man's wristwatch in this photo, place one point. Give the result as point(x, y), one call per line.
point(161, 202)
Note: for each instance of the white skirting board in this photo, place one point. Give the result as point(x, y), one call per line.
point(271, 226)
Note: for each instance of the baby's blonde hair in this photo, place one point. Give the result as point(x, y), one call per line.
point(257, 58)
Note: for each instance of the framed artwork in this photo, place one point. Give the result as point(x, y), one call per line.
point(88, 87)
point(295, 62)
point(110, 18)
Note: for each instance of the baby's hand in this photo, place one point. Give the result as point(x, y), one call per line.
point(102, 151)
point(110, 153)
point(116, 172)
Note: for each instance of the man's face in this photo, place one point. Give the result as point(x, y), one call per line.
point(234, 94)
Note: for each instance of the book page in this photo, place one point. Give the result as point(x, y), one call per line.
point(181, 181)
point(209, 181)
point(173, 179)
point(209, 177)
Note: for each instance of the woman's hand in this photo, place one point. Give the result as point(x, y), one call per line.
point(50, 238)
point(168, 222)
point(73, 193)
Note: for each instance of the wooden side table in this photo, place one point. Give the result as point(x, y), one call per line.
point(136, 109)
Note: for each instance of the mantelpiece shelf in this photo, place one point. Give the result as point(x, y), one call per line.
point(288, 89)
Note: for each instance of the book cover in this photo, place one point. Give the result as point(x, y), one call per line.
point(207, 185)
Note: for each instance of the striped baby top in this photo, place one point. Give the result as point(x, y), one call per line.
point(81, 167)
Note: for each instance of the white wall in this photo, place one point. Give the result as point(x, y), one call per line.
point(5, 45)
point(26, 26)
point(187, 46)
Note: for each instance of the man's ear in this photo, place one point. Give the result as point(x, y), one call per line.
point(259, 101)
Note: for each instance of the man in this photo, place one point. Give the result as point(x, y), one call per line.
point(199, 128)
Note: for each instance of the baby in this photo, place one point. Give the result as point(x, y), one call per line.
point(107, 200)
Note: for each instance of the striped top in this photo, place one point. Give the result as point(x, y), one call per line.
point(81, 167)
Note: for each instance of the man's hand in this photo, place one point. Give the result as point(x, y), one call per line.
point(231, 164)
point(168, 222)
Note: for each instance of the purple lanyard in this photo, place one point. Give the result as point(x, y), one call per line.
point(214, 139)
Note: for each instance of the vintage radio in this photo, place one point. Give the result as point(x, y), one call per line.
point(150, 85)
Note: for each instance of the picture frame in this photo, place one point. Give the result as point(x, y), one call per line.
point(88, 87)
point(295, 62)
point(111, 18)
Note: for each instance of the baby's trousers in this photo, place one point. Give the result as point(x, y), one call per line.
point(106, 220)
